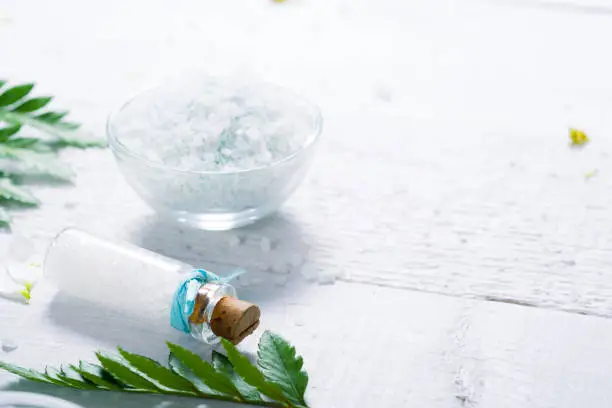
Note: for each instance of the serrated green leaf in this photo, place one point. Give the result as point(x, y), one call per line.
point(94, 377)
point(119, 374)
point(251, 374)
point(125, 374)
point(2, 83)
point(68, 375)
point(281, 365)
point(223, 366)
point(79, 143)
point(5, 218)
point(22, 142)
point(156, 372)
point(9, 191)
point(37, 163)
point(53, 375)
point(204, 370)
point(58, 128)
point(33, 104)
point(98, 375)
point(15, 94)
point(52, 117)
point(178, 367)
point(25, 373)
point(8, 131)
point(68, 125)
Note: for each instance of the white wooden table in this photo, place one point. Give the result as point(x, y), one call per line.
point(475, 259)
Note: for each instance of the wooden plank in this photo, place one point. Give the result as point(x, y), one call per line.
point(365, 346)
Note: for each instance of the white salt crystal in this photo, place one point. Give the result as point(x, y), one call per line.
point(326, 278)
point(383, 93)
point(279, 280)
point(8, 345)
point(265, 244)
point(308, 272)
point(279, 267)
point(234, 241)
point(296, 259)
point(256, 280)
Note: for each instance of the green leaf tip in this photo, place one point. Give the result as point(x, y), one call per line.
point(281, 365)
point(125, 374)
point(15, 94)
point(250, 374)
point(156, 372)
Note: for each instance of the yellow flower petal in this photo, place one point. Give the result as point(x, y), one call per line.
point(578, 137)
point(27, 292)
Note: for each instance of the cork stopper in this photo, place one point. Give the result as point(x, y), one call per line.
point(232, 319)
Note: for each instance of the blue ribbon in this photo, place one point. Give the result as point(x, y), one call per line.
point(183, 301)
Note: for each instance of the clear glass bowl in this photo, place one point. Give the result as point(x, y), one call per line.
point(216, 200)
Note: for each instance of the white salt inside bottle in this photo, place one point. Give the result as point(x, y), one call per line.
point(118, 276)
point(148, 287)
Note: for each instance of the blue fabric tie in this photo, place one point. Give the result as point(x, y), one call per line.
point(183, 301)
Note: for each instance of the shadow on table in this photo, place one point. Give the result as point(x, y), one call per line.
point(112, 328)
point(107, 399)
point(271, 251)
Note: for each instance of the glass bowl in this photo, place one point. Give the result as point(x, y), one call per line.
point(216, 199)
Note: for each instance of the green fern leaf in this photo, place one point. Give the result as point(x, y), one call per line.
point(14, 94)
point(179, 368)
point(156, 372)
point(8, 131)
point(33, 104)
point(281, 365)
point(5, 218)
point(204, 371)
point(251, 374)
point(125, 374)
point(223, 365)
point(9, 191)
point(25, 373)
point(188, 375)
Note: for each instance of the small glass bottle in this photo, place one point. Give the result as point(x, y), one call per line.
point(148, 286)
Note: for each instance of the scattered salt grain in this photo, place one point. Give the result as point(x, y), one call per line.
point(326, 278)
point(8, 345)
point(296, 259)
point(280, 267)
point(256, 280)
point(309, 272)
point(383, 93)
point(265, 244)
point(279, 280)
point(234, 241)
point(243, 280)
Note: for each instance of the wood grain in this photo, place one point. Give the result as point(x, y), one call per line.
point(444, 169)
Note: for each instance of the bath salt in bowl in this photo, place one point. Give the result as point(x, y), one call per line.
point(214, 153)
